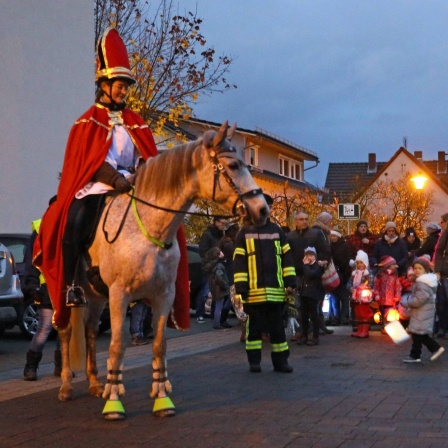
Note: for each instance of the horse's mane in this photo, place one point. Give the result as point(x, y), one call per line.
point(169, 170)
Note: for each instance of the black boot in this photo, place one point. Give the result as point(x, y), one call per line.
point(57, 363)
point(280, 362)
point(324, 330)
point(254, 358)
point(31, 366)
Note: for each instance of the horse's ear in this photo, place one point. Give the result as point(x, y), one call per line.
point(221, 135)
point(231, 131)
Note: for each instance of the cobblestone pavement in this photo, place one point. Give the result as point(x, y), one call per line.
point(345, 392)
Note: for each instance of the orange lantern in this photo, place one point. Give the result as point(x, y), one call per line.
point(377, 317)
point(392, 315)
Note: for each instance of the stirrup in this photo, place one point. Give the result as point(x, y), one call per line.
point(75, 296)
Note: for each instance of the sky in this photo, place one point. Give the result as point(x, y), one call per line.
point(342, 78)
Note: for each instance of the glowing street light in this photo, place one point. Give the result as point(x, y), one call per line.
point(419, 181)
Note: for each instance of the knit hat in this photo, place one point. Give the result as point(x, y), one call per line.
point(410, 231)
point(386, 261)
point(390, 225)
point(310, 250)
point(333, 232)
point(361, 222)
point(362, 256)
point(432, 227)
point(424, 261)
point(325, 218)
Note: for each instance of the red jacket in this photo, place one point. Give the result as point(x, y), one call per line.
point(87, 147)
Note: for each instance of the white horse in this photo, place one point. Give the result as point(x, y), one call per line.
point(135, 268)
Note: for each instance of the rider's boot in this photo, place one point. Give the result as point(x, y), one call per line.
point(31, 366)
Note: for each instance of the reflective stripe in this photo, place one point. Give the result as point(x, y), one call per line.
point(253, 345)
point(251, 263)
point(286, 248)
point(278, 255)
point(239, 251)
point(240, 277)
point(289, 270)
point(277, 348)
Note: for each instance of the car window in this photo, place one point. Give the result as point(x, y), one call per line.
point(17, 247)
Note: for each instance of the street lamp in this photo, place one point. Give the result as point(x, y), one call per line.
point(419, 181)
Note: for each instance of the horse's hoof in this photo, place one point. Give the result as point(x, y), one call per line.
point(165, 413)
point(114, 410)
point(96, 391)
point(114, 416)
point(65, 395)
point(163, 407)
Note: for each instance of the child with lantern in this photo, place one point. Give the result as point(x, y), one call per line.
point(421, 304)
point(387, 288)
point(360, 285)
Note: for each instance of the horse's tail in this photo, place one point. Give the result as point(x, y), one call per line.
point(77, 348)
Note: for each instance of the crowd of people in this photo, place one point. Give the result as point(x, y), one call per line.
point(252, 267)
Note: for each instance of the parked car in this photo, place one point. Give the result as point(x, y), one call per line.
point(11, 296)
point(28, 316)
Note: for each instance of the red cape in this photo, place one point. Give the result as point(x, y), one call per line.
point(87, 147)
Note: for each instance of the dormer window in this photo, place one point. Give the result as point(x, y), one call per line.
point(252, 156)
point(290, 168)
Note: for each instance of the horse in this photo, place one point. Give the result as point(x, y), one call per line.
point(134, 267)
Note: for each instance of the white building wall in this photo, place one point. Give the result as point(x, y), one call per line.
point(46, 82)
point(402, 165)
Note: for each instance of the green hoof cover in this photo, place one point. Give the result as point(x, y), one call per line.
point(162, 404)
point(113, 406)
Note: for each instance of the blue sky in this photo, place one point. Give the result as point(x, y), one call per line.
point(340, 77)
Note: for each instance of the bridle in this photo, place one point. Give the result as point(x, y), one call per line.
point(218, 169)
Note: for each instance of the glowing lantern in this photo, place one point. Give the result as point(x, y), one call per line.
point(377, 317)
point(396, 331)
point(392, 315)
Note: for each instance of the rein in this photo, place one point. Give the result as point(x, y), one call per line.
point(218, 169)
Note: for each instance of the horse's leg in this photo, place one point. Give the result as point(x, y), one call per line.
point(66, 389)
point(114, 388)
point(95, 308)
point(161, 387)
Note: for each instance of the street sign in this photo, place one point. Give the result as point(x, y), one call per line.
point(348, 211)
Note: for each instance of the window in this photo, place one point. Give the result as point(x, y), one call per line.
point(290, 168)
point(252, 156)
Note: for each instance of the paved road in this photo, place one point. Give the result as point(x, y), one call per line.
point(343, 393)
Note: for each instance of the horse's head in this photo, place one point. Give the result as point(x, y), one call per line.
point(233, 186)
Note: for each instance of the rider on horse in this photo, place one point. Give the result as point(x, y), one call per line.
point(105, 146)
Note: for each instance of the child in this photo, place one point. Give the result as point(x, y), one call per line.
point(311, 295)
point(360, 285)
point(421, 304)
point(387, 289)
point(218, 284)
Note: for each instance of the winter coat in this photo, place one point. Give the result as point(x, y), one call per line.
point(441, 259)
point(387, 288)
point(341, 254)
point(422, 304)
point(263, 265)
point(299, 240)
point(210, 238)
point(429, 245)
point(311, 286)
point(396, 250)
point(355, 242)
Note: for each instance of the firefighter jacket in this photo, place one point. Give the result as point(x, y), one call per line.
point(263, 264)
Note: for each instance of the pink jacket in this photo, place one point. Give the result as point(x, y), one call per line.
point(387, 289)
